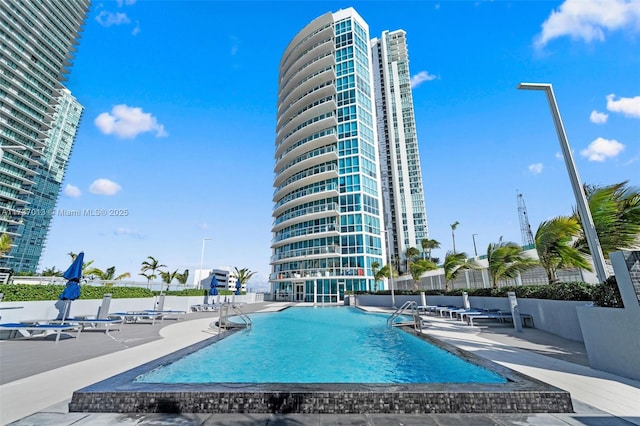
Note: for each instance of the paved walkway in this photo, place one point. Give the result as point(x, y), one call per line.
point(41, 398)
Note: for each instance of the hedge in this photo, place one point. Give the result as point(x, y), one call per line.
point(606, 294)
point(37, 292)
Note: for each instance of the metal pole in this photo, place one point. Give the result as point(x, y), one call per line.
point(475, 250)
point(581, 200)
point(393, 296)
point(202, 261)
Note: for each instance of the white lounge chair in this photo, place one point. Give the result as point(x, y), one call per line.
point(36, 329)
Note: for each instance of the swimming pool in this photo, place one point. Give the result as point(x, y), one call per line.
point(140, 389)
point(321, 345)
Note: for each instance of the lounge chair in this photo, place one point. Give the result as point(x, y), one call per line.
point(167, 313)
point(447, 309)
point(35, 329)
point(427, 308)
point(106, 324)
point(135, 316)
point(205, 307)
point(501, 316)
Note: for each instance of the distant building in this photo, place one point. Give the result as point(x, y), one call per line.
point(401, 175)
point(224, 275)
point(36, 119)
point(327, 227)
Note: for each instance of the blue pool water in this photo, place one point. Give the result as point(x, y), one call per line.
point(321, 345)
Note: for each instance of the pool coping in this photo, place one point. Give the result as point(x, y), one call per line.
point(121, 394)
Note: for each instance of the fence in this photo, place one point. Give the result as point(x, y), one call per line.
point(480, 278)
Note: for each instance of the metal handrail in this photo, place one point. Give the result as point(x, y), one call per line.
point(412, 307)
point(223, 321)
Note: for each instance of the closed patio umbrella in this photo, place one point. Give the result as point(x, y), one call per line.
point(213, 288)
point(72, 290)
point(238, 287)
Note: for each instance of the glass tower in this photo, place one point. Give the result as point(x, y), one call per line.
point(327, 228)
point(405, 214)
point(38, 44)
point(47, 184)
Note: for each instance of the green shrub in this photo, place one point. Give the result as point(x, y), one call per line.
point(578, 291)
point(28, 292)
point(607, 294)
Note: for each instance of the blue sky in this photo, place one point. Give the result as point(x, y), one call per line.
point(177, 137)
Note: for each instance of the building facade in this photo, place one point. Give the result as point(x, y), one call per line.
point(405, 214)
point(38, 118)
point(226, 278)
point(327, 214)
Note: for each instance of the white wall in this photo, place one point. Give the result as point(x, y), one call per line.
point(48, 310)
point(612, 335)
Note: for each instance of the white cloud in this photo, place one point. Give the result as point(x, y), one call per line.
point(136, 29)
point(126, 3)
point(129, 233)
point(128, 122)
point(536, 168)
point(598, 117)
point(421, 77)
point(235, 45)
point(204, 226)
point(104, 187)
point(107, 19)
point(601, 149)
point(589, 19)
point(628, 106)
point(72, 191)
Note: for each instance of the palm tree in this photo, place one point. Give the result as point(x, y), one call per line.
point(553, 244)
point(108, 274)
point(454, 226)
point(380, 273)
point(428, 245)
point(419, 267)
point(411, 254)
point(5, 244)
point(453, 264)
point(375, 268)
point(243, 275)
point(151, 265)
point(85, 265)
point(507, 260)
point(615, 210)
point(183, 277)
point(168, 277)
point(51, 272)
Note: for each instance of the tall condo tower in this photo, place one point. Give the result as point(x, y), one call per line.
point(37, 119)
point(405, 214)
point(327, 227)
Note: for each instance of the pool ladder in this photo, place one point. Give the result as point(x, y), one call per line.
point(223, 321)
point(408, 308)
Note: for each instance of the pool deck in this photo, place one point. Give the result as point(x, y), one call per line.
point(37, 378)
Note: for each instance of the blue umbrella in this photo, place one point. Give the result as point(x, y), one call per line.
point(72, 290)
point(238, 287)
point(213, 290)
point(74, 273)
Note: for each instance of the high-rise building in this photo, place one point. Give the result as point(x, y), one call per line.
point(405, 214)
point(47, 184)
point(37, 118)
point(327, 228)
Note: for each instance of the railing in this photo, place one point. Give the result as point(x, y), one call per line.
point(223, 321)
point(410, 306)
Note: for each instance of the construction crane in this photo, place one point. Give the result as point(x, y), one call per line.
point(525, 227)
